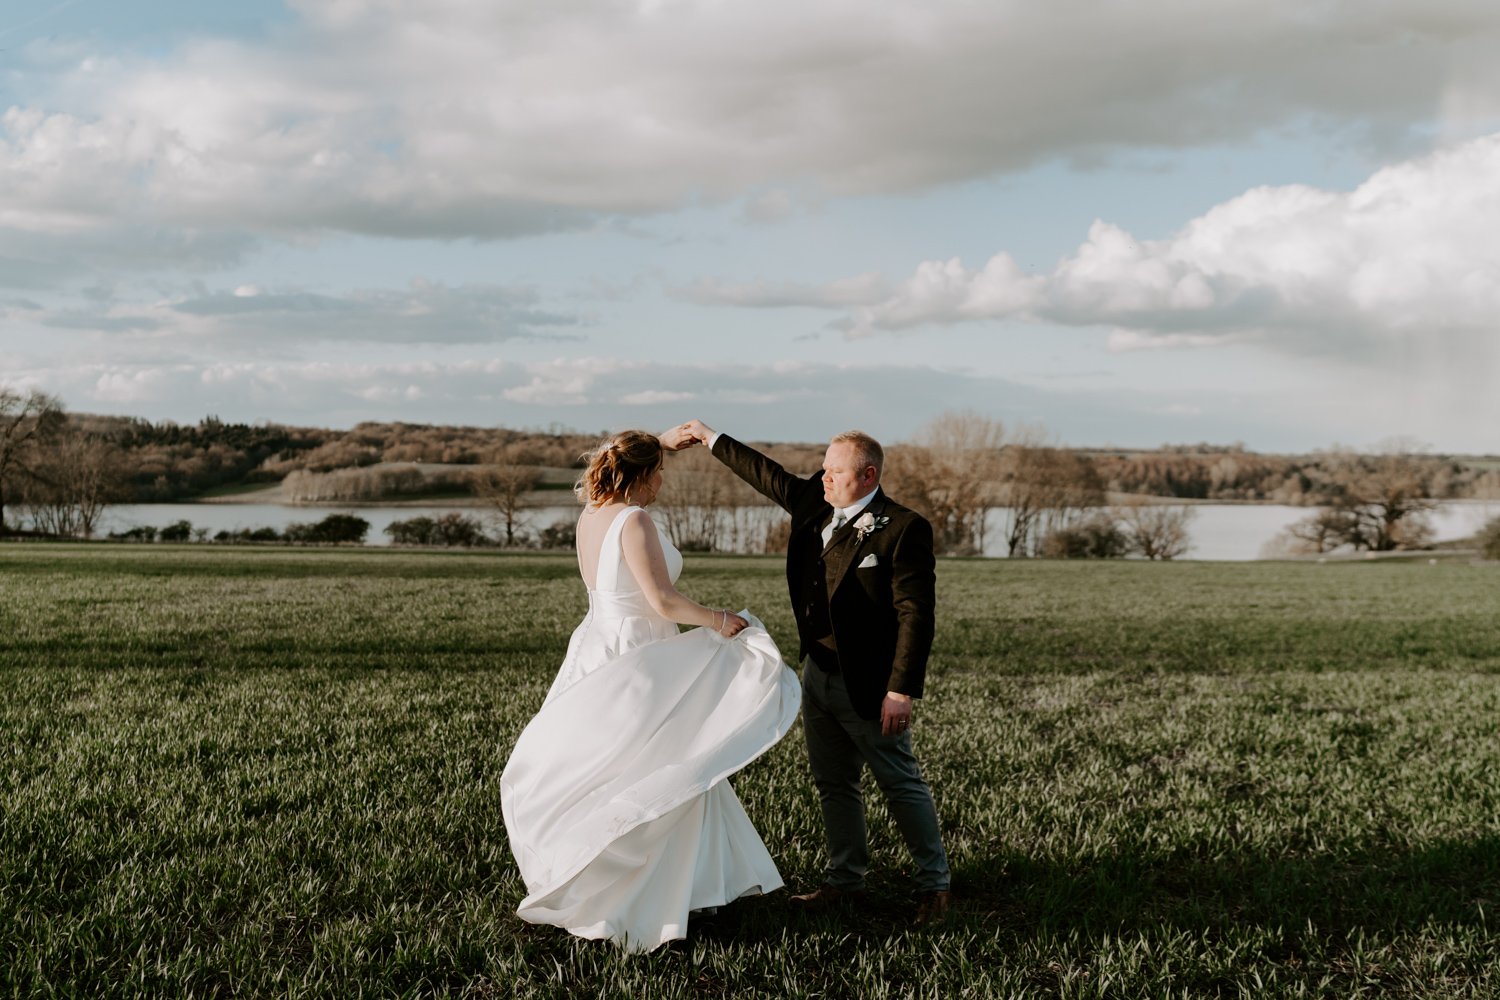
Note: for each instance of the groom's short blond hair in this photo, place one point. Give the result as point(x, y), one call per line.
point(866, 447)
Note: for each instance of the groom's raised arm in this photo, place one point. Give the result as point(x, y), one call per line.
point(766, 475)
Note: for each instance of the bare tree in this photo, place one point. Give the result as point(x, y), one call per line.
point(1391, 498)
point(1319, 532)
point(1380, 500)
point(1046, 490)
point(75, 478)
point(26, 420)
point(1155, 530)
point(706, 507)
point(951, 475)
point(506, 487)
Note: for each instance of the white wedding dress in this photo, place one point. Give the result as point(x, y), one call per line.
point(615, 797)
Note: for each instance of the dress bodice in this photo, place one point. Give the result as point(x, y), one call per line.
point(620, 617)
point(617, 593)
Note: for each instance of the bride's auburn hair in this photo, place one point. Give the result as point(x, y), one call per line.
point(617, 465)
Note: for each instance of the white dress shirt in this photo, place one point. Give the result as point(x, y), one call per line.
point(850, 513)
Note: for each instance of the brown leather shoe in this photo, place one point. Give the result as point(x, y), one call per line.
point(826, 897)
point(933, 907)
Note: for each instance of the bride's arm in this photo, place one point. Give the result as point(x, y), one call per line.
point(648, 563)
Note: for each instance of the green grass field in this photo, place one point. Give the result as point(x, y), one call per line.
point(274, 772)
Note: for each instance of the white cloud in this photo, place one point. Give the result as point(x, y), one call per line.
point(250, 317)
point(426, 312)
point(422, 118)
point(544, 391)
point(947, 292)
point(1120, 341)
point(1409, 258)
point(391, 393)
point(775, 205)
point(130, 387)
point(858, 290)
point(653, 397)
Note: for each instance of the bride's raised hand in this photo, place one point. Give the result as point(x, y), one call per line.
point(679, 437)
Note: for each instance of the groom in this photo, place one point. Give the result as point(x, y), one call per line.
point(860, 570)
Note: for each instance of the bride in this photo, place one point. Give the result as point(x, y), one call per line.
point(615, 797)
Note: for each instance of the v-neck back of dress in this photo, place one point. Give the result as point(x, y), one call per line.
point(616, 592)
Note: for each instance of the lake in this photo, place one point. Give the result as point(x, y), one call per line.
point(1230, 532)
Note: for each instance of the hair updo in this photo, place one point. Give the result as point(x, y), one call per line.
point(617, 465)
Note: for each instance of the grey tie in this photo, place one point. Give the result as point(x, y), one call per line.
point(839, 520)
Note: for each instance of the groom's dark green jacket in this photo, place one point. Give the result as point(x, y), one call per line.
point(864, 603)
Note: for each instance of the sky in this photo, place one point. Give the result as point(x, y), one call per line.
point(1110, 222)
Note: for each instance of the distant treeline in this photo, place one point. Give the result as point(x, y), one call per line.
point(168, 461)
point(1297, 480)
point(967, 473)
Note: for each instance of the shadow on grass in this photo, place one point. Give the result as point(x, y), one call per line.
point(1336, 895)
point(1333, 896)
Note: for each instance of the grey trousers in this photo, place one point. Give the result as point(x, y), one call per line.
point(839, 745)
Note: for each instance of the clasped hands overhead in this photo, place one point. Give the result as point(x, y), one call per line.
point(685, 435)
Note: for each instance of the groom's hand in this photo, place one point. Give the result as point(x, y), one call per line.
point(895, 714)
point(699, 430)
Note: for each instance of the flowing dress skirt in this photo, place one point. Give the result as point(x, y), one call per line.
point(616, 800)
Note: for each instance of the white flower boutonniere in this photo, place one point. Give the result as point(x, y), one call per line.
point(867, 523)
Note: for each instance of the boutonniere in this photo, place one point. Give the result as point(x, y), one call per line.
point(867, 524)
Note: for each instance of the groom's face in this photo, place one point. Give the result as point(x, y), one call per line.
point(845, 480)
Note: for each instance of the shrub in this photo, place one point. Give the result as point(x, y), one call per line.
point(249, 535)
point(179, 531)
point(460, 529)
point(1489, 539)
point(333, 529)
point(450, 529)
point(561, 535)
point(1097, 537)
point(413, 531)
